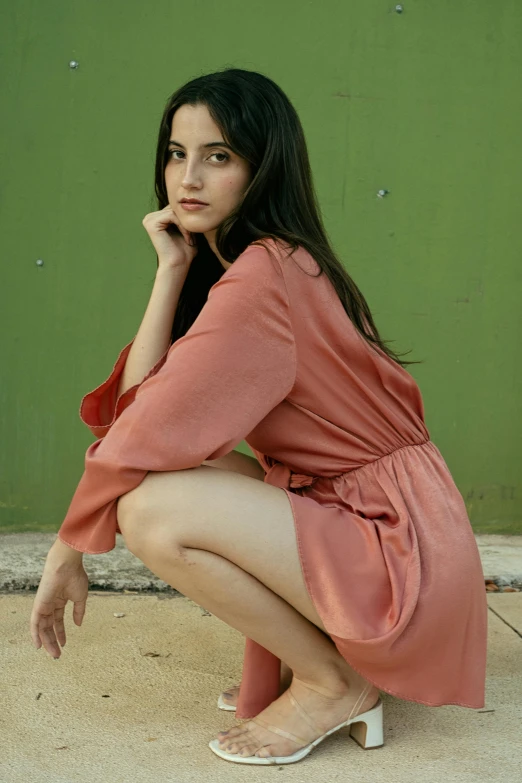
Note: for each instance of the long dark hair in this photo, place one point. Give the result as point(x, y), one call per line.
point(260, 124)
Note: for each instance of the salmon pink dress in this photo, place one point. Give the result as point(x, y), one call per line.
point(387, 551)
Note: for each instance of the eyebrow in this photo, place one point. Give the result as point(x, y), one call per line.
point(212, 144)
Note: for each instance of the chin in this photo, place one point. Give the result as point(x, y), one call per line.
point(184, 214)
point(191, 218)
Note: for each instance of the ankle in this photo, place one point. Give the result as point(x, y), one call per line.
point(333, 681)
point(328, 684)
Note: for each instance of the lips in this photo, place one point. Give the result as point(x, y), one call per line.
point(192, 201)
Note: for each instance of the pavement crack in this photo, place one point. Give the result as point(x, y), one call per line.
point(505, 621)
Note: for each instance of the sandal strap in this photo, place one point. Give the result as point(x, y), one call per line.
point(360, 700)
point(286, 734)
point(304, 714)
point(307, 718)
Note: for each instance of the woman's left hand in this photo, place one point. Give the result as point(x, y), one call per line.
point(63, 579)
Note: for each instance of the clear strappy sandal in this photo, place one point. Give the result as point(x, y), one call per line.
point(366, 729)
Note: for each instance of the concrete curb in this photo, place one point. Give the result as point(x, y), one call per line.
point(22, 557)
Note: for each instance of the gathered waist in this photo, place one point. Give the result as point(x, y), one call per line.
point(280, 475)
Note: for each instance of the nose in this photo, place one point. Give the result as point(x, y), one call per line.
point(191, 177)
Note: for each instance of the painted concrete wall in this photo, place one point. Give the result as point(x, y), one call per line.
point(423, 104)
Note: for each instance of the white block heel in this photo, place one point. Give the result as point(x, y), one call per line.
point(368, 731)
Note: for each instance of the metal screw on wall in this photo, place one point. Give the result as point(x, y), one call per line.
point(73, 64)
point(382, 193)
point(39, 262)
point(399, 8)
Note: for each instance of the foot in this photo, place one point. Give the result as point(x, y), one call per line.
point(231, 695)
point(326, 710)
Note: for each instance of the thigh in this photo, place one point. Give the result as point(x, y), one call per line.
point(233, 515)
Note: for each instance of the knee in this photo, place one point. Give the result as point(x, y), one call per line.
point(130, 519)
point(139, 527)
point(143, 532)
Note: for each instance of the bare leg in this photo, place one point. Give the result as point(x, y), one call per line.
point(248, 466)
point(228, 542)
point(324, 684)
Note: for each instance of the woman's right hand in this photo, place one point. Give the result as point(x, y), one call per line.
point(63, 580)
point(175, 248)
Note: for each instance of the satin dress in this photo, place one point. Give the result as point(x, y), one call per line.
point(387, 551)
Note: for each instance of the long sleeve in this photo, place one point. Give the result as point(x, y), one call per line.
point(232, 367)
point(100, 408)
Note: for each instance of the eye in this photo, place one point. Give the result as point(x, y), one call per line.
point(223, 154)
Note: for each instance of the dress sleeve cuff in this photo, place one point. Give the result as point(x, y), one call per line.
point(100, 408)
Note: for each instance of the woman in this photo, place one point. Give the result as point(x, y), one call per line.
point(346, 565)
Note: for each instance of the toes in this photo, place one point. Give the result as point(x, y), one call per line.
point(241, 743)
point(263, 753)
point(230, 693)
point(243, 750)
point(232, 748)
point(247, 750)
point(239, 747)
point(233, 732)
point(232, 741)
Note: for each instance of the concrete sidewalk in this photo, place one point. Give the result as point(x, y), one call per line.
point(132, 698)
point(22, 557)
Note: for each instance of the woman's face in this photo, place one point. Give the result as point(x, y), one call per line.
point(213, 174)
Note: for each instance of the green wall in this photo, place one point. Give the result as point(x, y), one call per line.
point(424, 104)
